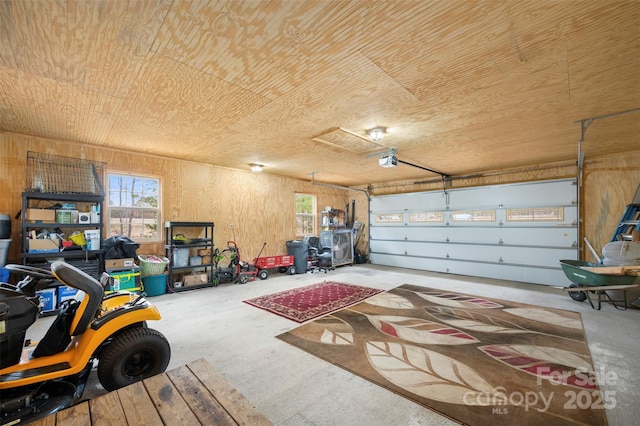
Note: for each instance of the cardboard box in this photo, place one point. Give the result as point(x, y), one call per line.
point(47, 299)
point(195, 279)
point(115, 264)
point(65, 293)
point(207, 260)
point(41, 215)
point(44, 245)
point(204, 252)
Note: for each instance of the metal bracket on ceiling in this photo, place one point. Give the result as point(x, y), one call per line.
point(584, 126)
point(601, 117)
point(330, 185)
point(585, 123)
point(390, 151)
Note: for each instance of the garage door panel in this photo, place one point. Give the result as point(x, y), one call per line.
point(497, 254)
point(544, 237)
point(400, 202)
point(385, 246)
point(546, 193)
point(525, 248)
point(544, 276)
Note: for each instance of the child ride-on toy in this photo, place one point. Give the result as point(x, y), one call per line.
point(40, 378)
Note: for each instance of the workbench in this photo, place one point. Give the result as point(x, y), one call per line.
point(194, 394)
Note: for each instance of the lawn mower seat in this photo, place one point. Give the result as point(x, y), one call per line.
point(91, 299)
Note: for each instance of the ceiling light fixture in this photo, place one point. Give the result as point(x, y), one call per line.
point(377, 133)
point(256, 168)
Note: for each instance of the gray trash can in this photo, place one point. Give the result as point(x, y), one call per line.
point(5, 226)
point(4, 251)
point(299, 249)
point(5, 238)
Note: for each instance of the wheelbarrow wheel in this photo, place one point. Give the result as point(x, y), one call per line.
point(578, 296)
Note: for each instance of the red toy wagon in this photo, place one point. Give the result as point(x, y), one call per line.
point(264, 264)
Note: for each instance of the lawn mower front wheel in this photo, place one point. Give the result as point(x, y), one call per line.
point(133, 355)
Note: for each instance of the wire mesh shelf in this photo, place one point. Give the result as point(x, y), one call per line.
point(63, 175)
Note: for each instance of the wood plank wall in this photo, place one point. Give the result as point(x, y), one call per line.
point(260, 206)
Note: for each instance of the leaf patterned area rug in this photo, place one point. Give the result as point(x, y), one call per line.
point(304, 303)
point(477, 361)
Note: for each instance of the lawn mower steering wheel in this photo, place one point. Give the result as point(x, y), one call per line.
point(30, 270)
point(35, 278)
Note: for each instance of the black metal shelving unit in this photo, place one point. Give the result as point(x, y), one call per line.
point(53, 180)
point(200, 237)
point(90, 261)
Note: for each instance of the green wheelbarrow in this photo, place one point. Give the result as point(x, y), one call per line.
point(587, 281)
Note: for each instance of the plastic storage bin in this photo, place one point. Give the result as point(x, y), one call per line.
point(155, 285)
point(4, 275)
point(125, 280)
point(180, 257)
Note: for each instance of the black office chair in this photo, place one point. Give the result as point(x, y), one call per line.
point(319, 257)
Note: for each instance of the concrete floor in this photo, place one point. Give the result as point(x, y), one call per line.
point(292, 387)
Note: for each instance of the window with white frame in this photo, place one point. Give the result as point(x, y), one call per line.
point(305, 214)
point(473, 216)
point(134, 207)
point(538, 214)
point(388, 217)
point(426, 217)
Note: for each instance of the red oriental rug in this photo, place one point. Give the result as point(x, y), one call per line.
point(304, 303)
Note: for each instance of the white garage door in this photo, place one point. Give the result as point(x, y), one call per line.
point(514, 232)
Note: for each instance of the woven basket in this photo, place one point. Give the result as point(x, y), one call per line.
point(148, 267)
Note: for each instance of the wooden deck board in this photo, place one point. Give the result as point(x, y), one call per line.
point(137, 406)
point(195, 394)
point(107, 411)
point(242, 411)
point(76, 415)
point(169, 403)
point(45, 421)
point(199, 398)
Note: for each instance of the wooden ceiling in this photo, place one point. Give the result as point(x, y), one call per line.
point(463, 86)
